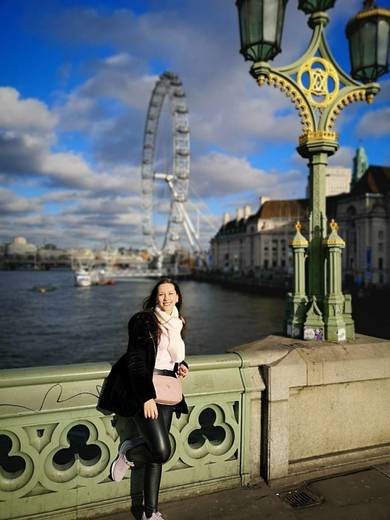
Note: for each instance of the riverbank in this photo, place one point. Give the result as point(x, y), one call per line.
point(369, 306)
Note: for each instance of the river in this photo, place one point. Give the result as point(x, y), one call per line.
point(79, 325)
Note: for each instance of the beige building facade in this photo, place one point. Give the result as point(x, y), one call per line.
point(257, 245)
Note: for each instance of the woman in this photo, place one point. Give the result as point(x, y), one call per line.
point(155, 346)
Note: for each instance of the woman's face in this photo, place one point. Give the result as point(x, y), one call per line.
point(167, 297)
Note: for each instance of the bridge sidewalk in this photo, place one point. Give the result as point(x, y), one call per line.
point(362, 495)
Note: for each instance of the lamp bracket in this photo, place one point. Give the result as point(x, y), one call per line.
point(315, 83)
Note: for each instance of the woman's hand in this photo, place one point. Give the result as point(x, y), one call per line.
point(183, 371)
point(150, 409)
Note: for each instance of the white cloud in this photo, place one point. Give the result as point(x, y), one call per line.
point(217, 174)
point(375, 123)
point(95, 187)
point(343, 157)
point(24, 114)
point(11, 204)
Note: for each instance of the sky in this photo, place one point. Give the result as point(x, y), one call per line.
point(75, 82)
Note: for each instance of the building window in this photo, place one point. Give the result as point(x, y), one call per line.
point(380, 235)
point(265, 264)
point(283, 263)
point(274, 263)
point(380, 246)
point(380, 263)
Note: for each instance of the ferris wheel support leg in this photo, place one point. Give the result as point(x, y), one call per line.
point(189, 236)
point(188, 222)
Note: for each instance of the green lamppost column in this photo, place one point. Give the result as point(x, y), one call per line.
point(319, 89)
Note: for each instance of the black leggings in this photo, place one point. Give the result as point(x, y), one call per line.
point(155, 433)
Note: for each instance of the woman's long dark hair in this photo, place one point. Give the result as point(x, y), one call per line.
point(151, 300)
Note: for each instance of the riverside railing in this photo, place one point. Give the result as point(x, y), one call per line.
point(56, 447)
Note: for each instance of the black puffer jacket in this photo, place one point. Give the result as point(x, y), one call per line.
point(129, 384)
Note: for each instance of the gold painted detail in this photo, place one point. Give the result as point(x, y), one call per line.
point(360, 94)
point(333, 225)
point(288, 87)
point(319, 80)
point(316, 136)
point(299, 240)
point(334, 239)
point(379, 11)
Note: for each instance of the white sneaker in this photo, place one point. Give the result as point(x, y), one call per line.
point(155, 516)
point(120, 465)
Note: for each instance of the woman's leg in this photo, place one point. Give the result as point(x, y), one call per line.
point(156, 435)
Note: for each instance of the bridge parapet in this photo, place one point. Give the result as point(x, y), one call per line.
point(56, 447)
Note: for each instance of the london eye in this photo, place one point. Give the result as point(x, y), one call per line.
point(174, 175)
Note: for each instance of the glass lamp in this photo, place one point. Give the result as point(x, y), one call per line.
point(369, 36)
point(313, 6)
point(261, 28)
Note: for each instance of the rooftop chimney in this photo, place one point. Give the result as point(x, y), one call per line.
point(247, 211)
point(226, 218)
point(263, 199)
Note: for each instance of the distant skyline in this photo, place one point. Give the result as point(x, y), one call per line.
point(76, 78)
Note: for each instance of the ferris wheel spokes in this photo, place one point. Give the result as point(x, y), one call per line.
point(168, 86)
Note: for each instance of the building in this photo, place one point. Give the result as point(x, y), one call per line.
point(337, 180)
point(256, 245)
point(360, 165)
point(364, 219)
point(19, 247)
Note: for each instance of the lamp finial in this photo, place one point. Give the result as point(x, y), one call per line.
point(369, 4)
point(333, 225)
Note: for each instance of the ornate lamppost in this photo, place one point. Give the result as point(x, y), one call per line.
point(320, 89)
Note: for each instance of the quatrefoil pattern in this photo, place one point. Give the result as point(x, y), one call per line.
point(52, 457)
point(209, 435)
point(73, 451)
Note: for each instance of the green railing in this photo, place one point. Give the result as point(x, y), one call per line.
point(56, 447)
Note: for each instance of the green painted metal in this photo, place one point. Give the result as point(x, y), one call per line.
point(57, 447)
point(297, 300)
point(313, 313)
point(335, 329)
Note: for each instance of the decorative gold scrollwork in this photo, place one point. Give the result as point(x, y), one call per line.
point(288, 87)
point(356, 95)
point(322, 81)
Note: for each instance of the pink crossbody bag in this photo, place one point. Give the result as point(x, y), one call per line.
point(166, 385)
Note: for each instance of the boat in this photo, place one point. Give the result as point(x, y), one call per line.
point(82, 278)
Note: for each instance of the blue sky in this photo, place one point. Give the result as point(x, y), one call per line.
point(75, 83)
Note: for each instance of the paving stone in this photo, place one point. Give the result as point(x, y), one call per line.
point(354, 488)
point(363, 495)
